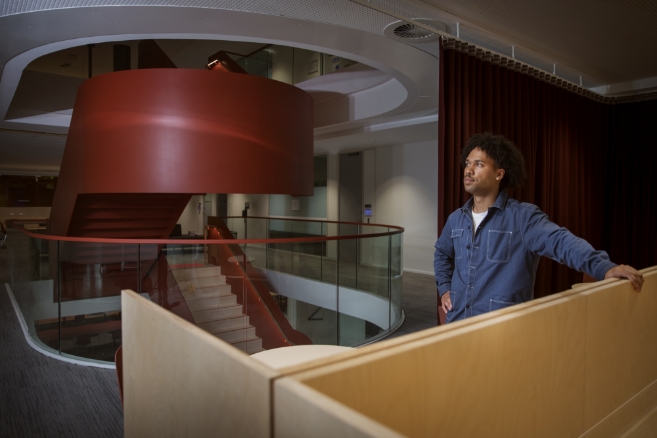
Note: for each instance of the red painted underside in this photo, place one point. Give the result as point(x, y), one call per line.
point(174, 133)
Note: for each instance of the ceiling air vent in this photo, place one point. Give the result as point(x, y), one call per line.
point(410, 33)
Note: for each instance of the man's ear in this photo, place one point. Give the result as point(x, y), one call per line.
point(500, 174)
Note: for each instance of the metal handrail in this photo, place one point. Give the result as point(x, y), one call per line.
point(15, 223)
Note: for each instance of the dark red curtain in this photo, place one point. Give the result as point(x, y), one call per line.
point(630, 213)
point(572, 145)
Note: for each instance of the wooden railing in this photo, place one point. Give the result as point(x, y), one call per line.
point(582, 363)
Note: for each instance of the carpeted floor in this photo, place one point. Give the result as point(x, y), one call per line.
point(419, 301)
point(45, 397)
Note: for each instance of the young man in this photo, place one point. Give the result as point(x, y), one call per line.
point(487, 255)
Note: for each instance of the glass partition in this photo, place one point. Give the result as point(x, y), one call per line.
point(90, 278)
point(256, 64)
point(256, 283)
point(31, 293)
point(69, 293)
point(396, 280)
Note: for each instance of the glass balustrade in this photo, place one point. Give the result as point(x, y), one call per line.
point(256, 283)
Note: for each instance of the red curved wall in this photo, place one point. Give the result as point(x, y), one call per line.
point(176, 131)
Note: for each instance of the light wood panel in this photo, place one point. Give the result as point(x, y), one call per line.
point(303, 412)
point(402, 340)
point(646, 428)
point(180, 381)
point(621, 351)
point(485, 379)
point(580, 363)
point(627, 417)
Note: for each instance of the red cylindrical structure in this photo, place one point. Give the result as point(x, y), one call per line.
point(192, 131)
point(185, 131)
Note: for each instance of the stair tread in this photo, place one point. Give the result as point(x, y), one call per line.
point(228, 318)
point(232, 329)
point(229, 322)
point(216, 314)
point(189, 296)
point(222, 281)
point(219, 280)
point(222, 306)
point(247, 340)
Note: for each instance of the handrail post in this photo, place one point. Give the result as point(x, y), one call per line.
point(59, 301)
point(139, 268)
point(291, 258)
point(337, 291)
point(389, 281)
point(357, 252)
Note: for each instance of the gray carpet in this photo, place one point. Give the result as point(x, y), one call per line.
point(419, 301)
point(44, 397)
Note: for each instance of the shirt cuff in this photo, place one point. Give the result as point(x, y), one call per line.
point(602, 269)
point(444, 288)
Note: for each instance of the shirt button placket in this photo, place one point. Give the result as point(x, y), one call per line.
point(471, 278)
point(469, 293)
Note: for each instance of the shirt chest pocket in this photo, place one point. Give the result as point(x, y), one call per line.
point(499, 246)
point(457, 237)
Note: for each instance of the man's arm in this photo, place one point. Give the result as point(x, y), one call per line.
point(443, 265)
point(546, 238)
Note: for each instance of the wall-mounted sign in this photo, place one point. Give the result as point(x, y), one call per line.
point(296, 204)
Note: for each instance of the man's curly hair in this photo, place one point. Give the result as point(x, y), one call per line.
point(505, 155)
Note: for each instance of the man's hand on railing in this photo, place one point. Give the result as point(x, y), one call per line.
point(627, 272)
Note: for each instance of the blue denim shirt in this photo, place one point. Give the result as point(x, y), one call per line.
point(496, 266)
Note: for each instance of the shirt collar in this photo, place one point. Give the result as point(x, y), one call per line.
point(500, 202)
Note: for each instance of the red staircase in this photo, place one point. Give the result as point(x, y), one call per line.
point(270, 323)
point(142, 142)
point(138, 215)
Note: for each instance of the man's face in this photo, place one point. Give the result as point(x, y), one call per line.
point(481, 177)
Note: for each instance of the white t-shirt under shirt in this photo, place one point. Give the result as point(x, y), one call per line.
point(478, 217)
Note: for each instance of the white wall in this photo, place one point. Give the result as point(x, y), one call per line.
point(302, 60)
point(407, 196)
point(405, 193)
point(282, 60)
point(190, 219)
point(332, 200)
point(258, 206)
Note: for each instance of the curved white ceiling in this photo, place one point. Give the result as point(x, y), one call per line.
point(405, 88)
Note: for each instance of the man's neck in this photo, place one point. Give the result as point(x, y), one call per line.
point(483, 203)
